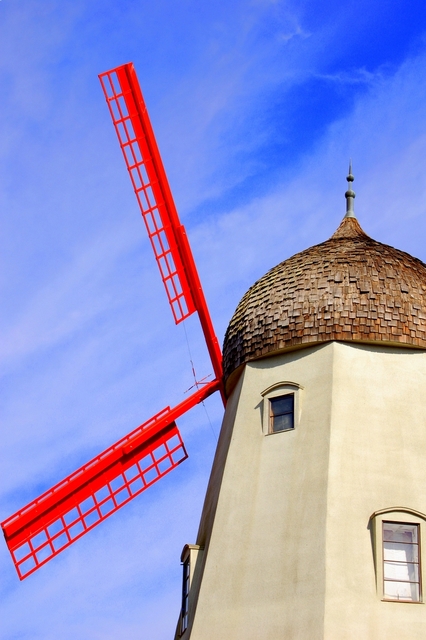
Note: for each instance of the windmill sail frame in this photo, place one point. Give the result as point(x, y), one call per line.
point(64, 513)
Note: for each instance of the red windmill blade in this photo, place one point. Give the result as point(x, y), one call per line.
point(61, 515)
point(168, 236)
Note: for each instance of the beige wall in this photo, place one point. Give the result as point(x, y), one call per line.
point(288, 550)
point(377, 460)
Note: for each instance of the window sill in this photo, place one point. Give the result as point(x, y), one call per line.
point(275, 433)
point(402, 601)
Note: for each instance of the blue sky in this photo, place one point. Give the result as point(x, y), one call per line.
point(257, 107)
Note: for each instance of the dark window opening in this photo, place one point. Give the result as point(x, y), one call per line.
point(185, 595)
point(282, 413)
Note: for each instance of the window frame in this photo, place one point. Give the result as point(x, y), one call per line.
point(386, 579)
point(400, 516)
point(277, 390)
point(188, 559)
point(272, 415)
point(186, 580)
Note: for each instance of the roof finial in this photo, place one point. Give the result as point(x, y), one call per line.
point(350, 195)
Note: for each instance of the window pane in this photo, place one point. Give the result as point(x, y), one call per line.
point(282, 413)
point(396, 532)
point(401, 571)
point(283, 404)
point(281, 423)
point(402, 591)
point(185, 593)
point(401, 561)
point(400, 552)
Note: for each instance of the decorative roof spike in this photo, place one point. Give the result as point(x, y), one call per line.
point(350, 195)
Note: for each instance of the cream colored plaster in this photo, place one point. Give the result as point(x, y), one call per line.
point(271, 505)
point(377, 459)
point(210, 503)
point(285, 526)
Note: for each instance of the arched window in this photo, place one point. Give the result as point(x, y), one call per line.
point(397, 535)
point(281, 407)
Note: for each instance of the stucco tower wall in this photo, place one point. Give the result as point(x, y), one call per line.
point(377, 460)
point(285, 527)
point(264, 558)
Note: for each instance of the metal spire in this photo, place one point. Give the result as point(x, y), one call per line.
point(350, 195)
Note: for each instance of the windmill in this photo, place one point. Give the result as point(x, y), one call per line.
point(63, 514)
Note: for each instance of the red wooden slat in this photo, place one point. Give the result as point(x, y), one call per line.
point(49, 524)
point(142, 159)
point(201, 306)
point(167, 235)
point(71, 518)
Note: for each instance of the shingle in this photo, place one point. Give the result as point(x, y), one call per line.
point(306, 299)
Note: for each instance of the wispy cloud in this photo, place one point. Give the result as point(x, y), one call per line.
point(353, 77)
point(90, 349)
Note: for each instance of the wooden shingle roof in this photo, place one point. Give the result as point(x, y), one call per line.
point(349, 288)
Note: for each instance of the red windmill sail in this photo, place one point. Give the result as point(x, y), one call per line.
point(58, 517)
point(167, 234)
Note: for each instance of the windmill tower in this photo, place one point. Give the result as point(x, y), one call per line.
point(314, 521)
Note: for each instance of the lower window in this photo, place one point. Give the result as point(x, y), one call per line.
point(189, 558)
point(185, 595)
point(401, 562)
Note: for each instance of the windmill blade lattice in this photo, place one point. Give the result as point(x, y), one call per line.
point(166, 233)
point(49, 524)
point(143, 161)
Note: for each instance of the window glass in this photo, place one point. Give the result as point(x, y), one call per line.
point(401, 576)
point(282, 412)
point(185, 595)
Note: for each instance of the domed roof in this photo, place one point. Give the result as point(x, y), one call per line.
point(349, 288)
